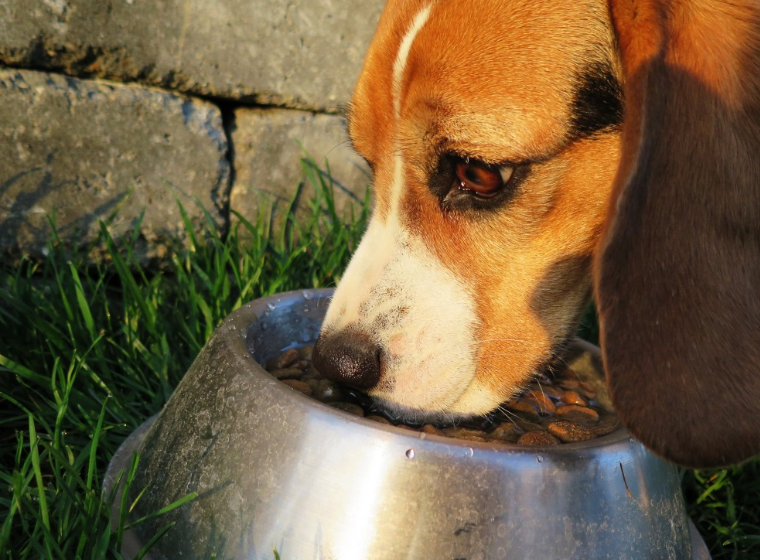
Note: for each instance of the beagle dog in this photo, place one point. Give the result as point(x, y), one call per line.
point(530, 154)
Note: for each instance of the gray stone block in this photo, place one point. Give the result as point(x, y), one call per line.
point(269, 146)
point(304, 54)
point(88, 148)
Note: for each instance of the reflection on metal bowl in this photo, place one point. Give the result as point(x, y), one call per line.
point(275, 470)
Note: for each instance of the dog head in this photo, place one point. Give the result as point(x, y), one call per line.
point(521, 148)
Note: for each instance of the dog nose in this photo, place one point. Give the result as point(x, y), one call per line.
point(348, 357)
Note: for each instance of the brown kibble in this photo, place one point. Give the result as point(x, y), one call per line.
point(286, 373)
point(568, 432)
point(354, 409)
point(430, 429)
point(548, 412)
point(524, 407)
point(466, 434)
point(507, 431)
point(286, 359)
point(474, 438)
point(298, 386)
point(537, 439)
point(570, 384)
point(327, 391)
point(550, 391)
point(572, 397)
point(542, 402)
point(527, 426)
point(606, 426)
point(576, 413)
point(314, 384)
point(405, 427)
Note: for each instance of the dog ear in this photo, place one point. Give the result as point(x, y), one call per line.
point(677, 271)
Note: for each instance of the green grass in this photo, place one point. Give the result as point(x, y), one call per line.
point(725, 506)
point(89, 352)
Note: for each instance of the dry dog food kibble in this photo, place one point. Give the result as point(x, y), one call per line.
point(550, 411)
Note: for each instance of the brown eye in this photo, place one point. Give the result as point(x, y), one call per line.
point(483, 179)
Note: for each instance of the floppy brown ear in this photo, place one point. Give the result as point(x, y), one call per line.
point(677, 272)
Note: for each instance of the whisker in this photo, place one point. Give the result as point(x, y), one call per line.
point(540, 388)
point(511, 416)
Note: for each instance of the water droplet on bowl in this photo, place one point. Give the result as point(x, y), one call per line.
point(271, 306)
point(539, 458)
point(409, 453)
point(307, 295)
point(468, 452)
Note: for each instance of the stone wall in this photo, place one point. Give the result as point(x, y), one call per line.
point(113, 109)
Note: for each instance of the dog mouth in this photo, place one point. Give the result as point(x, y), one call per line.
point(400, 414)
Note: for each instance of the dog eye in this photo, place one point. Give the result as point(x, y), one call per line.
point(481, 178)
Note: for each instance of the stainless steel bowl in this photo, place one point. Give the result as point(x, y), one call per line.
point(275, 470)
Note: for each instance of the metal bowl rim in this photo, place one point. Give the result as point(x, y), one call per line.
point(259, 306)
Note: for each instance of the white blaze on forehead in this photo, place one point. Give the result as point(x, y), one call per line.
point(409, 302)
point(403, 53)
point(399, 66)
point(382, 241)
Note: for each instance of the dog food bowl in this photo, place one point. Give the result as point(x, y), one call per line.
point(277, 471)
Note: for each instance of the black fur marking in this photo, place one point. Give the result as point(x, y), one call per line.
point(598, 103)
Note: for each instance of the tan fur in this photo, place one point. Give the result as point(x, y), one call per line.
point(494, 80)
point(490, 111)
